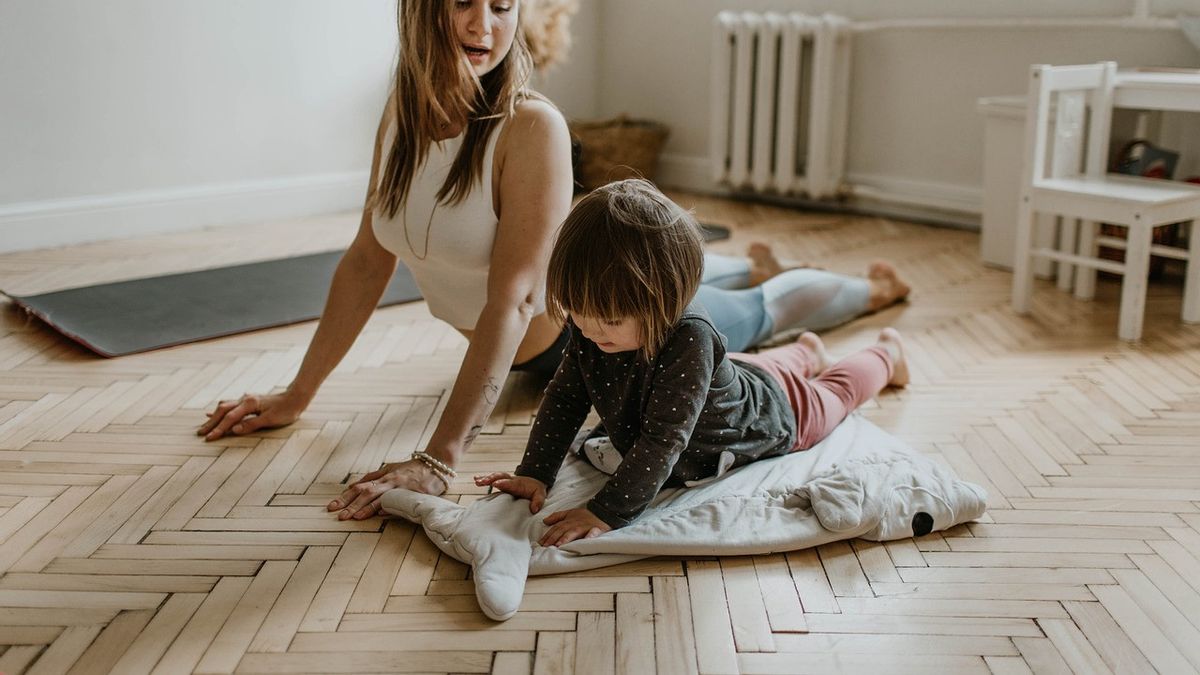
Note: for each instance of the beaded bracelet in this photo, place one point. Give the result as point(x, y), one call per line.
point(439, 469)
point(435, 463)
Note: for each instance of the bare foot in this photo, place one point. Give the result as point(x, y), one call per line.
point(763, 263)
point(887, 288)
point(889, 339)
point(814, 344)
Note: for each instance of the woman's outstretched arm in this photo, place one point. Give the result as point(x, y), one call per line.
point(534, 197)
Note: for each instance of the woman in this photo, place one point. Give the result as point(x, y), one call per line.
point(471, 176)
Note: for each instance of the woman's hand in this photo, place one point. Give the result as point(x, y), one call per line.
point(250, 413)
point(567, 526)
point(521, 487)
point(361, 499)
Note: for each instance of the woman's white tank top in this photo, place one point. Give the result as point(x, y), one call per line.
point(448, 247)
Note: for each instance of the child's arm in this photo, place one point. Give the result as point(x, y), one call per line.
point(521, 487)
point(563, 410)
point(677, 396)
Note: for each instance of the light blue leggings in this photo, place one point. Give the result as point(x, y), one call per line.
point(805, 298)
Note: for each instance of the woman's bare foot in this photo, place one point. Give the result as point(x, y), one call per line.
point(887, 288)
point(763, 263)
point(889, 339)
point(814, 344)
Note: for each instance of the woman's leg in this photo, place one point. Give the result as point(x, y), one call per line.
point(725, 271)
point(814, 299)
point(804, 298)
point(824, 401)
point(731, 273)
point(739, 315)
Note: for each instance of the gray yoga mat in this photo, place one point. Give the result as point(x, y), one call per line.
point(127, 317)
point(139, 315)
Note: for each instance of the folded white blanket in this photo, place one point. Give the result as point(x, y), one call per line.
point(858, 482)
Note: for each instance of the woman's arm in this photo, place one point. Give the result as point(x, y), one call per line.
point(534, 198)
point(361, 277)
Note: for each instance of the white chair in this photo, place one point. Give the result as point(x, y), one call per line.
point(1077, 186)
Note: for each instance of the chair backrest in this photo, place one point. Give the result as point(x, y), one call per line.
point(1076, 91)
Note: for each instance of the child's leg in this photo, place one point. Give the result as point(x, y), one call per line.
point(823, 402)
point(806, 357)
point(847, 384)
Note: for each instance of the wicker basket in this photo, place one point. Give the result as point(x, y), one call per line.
point(618, 148)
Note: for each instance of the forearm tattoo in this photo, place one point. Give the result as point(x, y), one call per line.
point(491, 394)
point(473, 433)
point(491, 391)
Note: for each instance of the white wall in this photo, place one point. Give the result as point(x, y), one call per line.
point(130, 116)
point(914, 127)
point(574, 85)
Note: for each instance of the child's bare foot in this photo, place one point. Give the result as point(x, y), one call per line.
point(887, 287)
point(814, 344)
point(889, 339)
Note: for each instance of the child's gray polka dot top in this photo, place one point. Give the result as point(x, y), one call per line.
point(670, 418)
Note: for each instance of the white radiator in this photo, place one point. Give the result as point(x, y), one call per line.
point(780, 102)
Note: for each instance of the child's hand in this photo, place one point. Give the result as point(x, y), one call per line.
point(521, 487)
point(567, 526)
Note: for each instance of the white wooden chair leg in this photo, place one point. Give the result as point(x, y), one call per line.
point(1045, 235)
point(1022, 288)
point(1133, 286)
point(1066, 244)
point(1085, 277)
point(1191, 285)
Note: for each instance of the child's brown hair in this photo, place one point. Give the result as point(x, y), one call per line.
point(626, 251)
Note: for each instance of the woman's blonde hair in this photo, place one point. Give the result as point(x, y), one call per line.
point(435, 86)
point(626, 251)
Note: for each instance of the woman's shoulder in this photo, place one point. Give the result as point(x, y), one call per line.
point(535, 135)
point(535, 118)
point(534, 107)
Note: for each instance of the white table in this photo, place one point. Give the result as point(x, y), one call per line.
point(1149, 90)
point(1177, 90)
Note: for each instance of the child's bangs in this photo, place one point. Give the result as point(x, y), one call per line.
point(600, 290)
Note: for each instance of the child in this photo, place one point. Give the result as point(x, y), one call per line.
point(623, 272)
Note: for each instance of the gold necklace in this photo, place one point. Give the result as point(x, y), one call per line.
point(428, 224)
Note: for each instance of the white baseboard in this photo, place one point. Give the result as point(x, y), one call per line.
point(942, 197)
point(927, 201)
point(58, 222)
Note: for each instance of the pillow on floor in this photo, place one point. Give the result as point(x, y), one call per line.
point(858, 482)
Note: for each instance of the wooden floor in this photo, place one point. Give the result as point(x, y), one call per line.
point(128, 545)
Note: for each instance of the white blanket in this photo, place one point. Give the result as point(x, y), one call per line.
point(858, 482)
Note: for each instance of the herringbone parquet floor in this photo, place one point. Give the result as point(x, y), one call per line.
point(128, 545)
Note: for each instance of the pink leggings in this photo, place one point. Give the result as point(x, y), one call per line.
point(824, 401)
